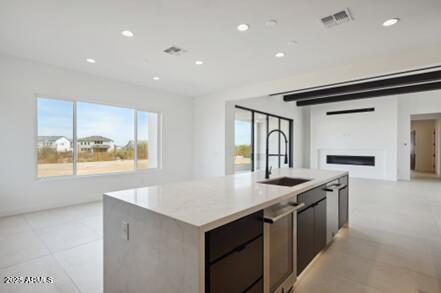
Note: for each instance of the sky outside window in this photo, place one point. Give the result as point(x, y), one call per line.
point(111, 122)
point(55, 117)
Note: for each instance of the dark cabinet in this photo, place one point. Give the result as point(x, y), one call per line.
point(239, 270)
point(305, 238)
point(228, 237)
point(319, 226)
point(234, 256)
point(311, 226)
point(256, 288)
point(343, 207)
point(311, 233)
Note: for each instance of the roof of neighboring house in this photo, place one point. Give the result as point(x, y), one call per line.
point(49, 138)
point(95, 138)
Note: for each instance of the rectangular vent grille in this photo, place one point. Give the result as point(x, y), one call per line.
point(352, 111)
point(175, 51)
point(337, 18)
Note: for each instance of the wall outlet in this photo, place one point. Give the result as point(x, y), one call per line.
point(125, 226)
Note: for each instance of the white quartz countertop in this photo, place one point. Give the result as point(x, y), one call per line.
point(213, 202)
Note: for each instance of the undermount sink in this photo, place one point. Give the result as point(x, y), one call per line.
point(285, 181)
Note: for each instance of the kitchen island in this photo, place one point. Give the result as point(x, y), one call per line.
point(200, 236)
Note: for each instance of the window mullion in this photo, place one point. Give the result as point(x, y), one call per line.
point(252, 142)
point(74, 139)
point(135, 146)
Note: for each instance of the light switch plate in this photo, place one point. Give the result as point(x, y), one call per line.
point(125, 230)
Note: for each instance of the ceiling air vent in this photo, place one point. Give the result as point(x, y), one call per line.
point(175, 51)
point(337, 18)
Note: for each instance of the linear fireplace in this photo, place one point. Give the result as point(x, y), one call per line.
point(351, 160)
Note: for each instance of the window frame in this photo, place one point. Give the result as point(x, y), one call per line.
point(74, 175)
point(290, 136)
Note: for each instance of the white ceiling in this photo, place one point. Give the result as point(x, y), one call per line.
point(65, 33)
point(432, 116)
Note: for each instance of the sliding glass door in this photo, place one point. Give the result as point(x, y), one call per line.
point(251, 130)
point(243, 141)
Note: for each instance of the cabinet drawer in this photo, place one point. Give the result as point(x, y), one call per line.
point(312, 196)
point(343, 180)
point(257, 288)
point(226, 238)
point(239, 270)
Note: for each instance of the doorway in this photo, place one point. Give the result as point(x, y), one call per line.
point(425, 143)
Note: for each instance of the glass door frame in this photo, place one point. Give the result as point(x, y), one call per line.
point(280, 118)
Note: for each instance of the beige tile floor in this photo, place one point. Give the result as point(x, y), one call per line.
point(393, 245)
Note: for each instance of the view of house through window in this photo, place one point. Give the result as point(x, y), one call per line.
point(104, 136)
point(105, 139)
point(55, 138)
point(251, 129)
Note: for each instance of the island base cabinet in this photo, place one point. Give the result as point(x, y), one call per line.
point(238, 271)
point(343, 207)
point(305, 238)
point(311, 233)
point(319, 226)
point(234, 256)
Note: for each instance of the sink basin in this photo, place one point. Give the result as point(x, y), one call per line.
point(285, 181)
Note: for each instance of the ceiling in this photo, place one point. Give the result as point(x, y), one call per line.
point(432, 116)
point(65, 33)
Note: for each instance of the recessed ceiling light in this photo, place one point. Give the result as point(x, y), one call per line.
point(127, 33)
point(280, 55)
point(271, 23)
point(156, 78)
point(391, 22)
point(243, 27)
point(199, 62)
point(90, 60)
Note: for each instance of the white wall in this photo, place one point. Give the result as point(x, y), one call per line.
point(22, 80)
point(369, 133)
point(273, 105)
point(210, 111)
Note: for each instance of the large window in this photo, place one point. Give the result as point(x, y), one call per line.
point(105, 137)
point(55, 137)
point(77, 138)
point(251, 130)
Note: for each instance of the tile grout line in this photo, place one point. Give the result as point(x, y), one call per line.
point(56, 260)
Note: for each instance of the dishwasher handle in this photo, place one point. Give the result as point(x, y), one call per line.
point(283, 212)
point(335, 187)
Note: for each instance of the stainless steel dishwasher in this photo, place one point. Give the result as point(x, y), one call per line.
point(280, 247)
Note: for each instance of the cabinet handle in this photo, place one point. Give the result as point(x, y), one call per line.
point(289, 209)
point(333, 188)
point(240, 248)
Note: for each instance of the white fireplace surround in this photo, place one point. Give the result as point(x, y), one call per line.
point(374, 172)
